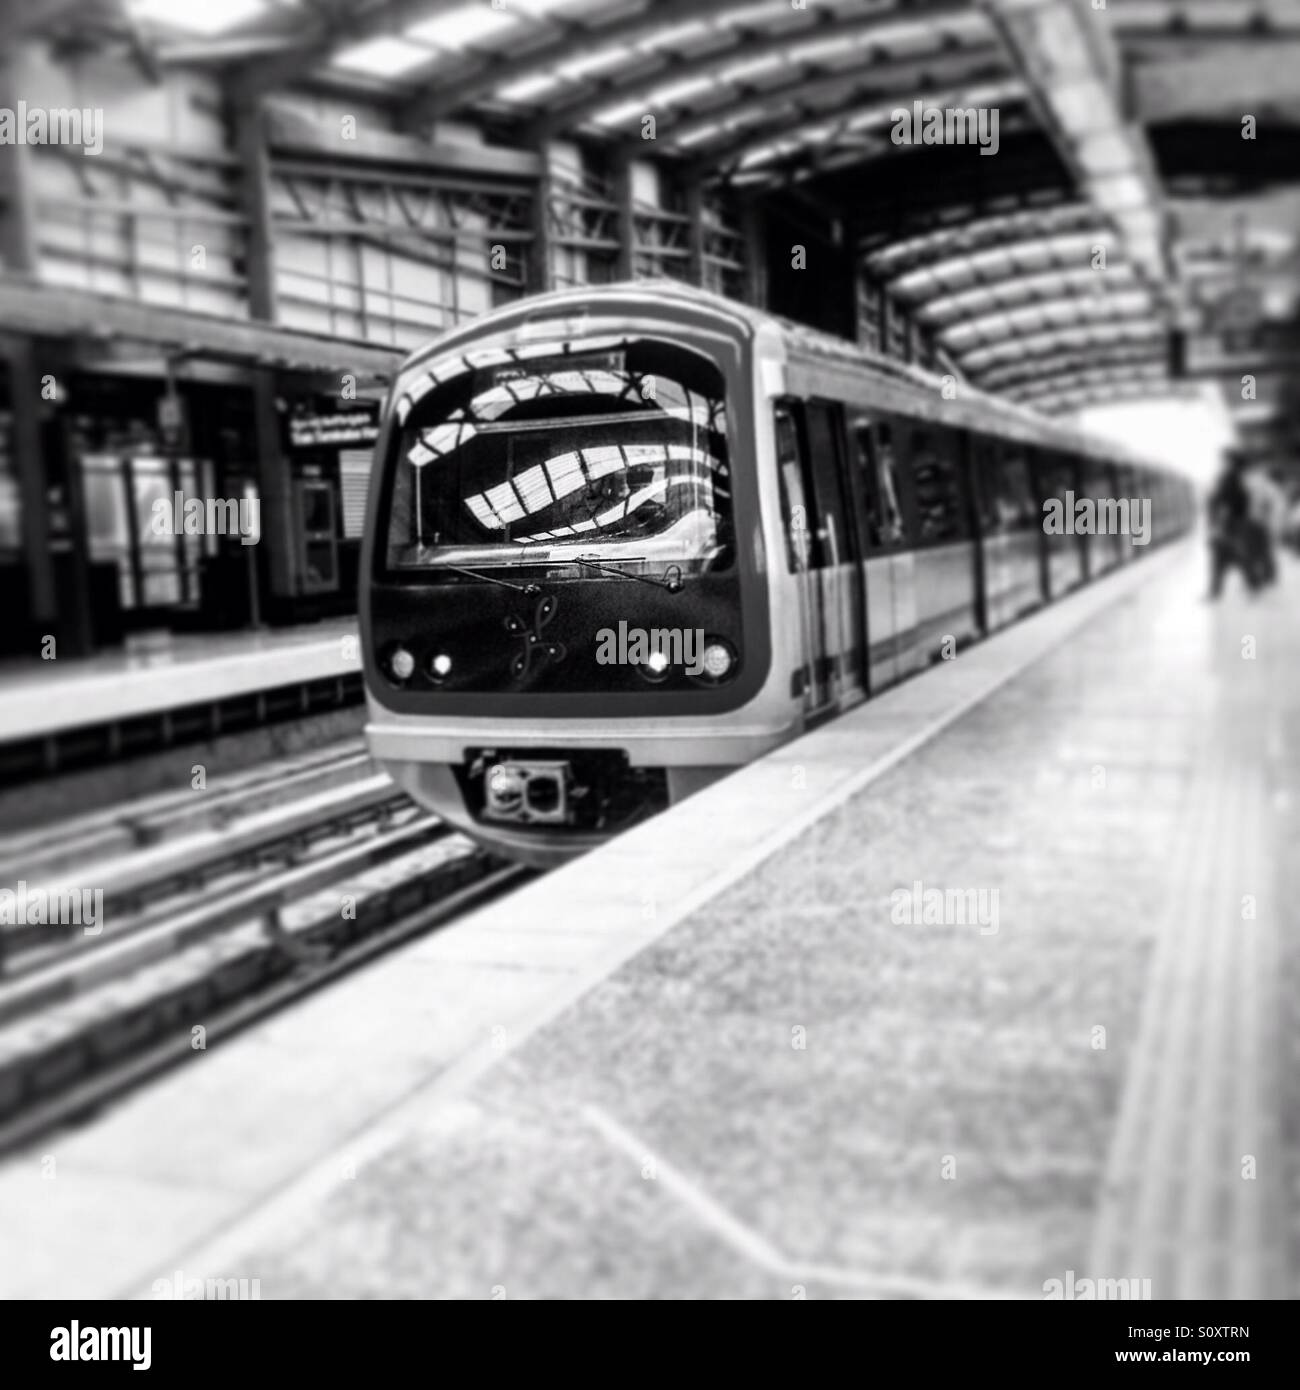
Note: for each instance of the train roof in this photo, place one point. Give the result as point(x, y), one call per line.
point(908, 387)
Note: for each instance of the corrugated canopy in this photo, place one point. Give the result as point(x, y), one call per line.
point(763, 94)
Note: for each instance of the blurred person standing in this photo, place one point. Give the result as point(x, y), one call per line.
point(1266, 511)
point(1228, 513)
point(1291, 526)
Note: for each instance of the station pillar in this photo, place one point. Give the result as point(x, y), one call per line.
point(279, 568)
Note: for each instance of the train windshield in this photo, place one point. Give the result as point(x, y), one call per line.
point(617, 453)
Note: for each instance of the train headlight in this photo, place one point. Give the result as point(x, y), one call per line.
point(440, 666)
point(717, 660)
point(401, 664)
point(655, 667)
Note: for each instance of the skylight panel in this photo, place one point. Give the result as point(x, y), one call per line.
point(527, 88)
point(382, 57)
point(598, 60)
point(463, 27)
point(209, 18)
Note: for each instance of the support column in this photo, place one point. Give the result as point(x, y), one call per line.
point(19, 255)
point(275, 486)
point(754, 231)
point(18, 241)
point(27, 444)
point(695, 232)
point(279, 566)
point(255, 165)
point(625, 221)
point(541, 255)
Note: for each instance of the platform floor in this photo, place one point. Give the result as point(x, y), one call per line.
point(710, 1060)
point(38, 698)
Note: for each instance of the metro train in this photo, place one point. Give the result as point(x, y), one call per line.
point(623, 539)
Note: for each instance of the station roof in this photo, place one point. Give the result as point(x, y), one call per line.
point(1117, 125)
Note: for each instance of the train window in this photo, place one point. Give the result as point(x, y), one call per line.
point(794, 505)
point(984, 471)
point(619, 454)
point(1062, 475)
point(1015, 503)
point(876, 460)
point(833, 532)
point(941, 514)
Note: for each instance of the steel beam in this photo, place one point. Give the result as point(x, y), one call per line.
point(626, 82)
point(1071, 63)
point(446, 97)
point(89, 318)
point(290, 133)
point(867, 84)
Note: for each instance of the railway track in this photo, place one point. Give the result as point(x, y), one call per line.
point(217, 908)
point(149, 820)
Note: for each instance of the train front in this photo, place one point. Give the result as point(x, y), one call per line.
point(564, 605)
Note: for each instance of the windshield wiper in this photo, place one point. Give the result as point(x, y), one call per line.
point(490, 579)
point(671, 579)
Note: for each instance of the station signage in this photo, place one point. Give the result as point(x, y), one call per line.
point(338, 429)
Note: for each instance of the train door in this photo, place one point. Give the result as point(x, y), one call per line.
point(1093, 484)
point(835, 550)
point(1088, 486)
point(1124, 484)
point(943, 554)
point(880, 525)
point(1021, 521)
point(1041, 484)
point(994, 577)
point(1074, 485)
point(796, 509)
point(1108, 487)
point(896, 475)
point(1069, 565)
point(812, 498)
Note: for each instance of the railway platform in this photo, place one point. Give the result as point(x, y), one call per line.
point(985, 989)
point(61, 715)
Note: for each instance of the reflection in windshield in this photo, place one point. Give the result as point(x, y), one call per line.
point(620, 454)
